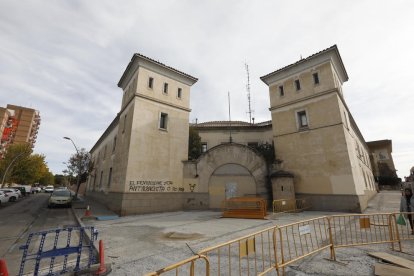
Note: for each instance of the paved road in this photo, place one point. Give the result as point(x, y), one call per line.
point(20, 218)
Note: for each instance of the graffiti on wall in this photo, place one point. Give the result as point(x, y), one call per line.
point(153, 186)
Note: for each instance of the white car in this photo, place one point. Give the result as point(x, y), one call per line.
point(3, 197)
point(11, 193)
point(19, 193)
point(59, 198)
point(49, 189)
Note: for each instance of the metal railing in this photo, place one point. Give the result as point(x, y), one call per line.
point(187, 267)
point(248, 255)
point(290, 205)
point(244, 207)
point(274, 248)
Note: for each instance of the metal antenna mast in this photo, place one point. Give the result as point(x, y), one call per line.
point(230, 138)
point(250, 112)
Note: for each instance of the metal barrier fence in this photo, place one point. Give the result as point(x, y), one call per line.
point(290, 205)
point(275, 248)
point(58, 251)
point(187, 267)
point(244, 207)
point(298, 240)
point(248, 255)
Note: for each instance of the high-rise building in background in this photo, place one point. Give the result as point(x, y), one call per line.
point(18, 125)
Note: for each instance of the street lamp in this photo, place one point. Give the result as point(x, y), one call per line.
point(79, 166)
point(8, 167)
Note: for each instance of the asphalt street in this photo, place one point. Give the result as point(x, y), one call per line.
point(19, 219)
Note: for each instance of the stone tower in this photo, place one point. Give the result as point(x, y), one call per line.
point(315, 134)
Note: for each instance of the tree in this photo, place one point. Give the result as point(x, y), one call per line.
point(268, 152)
point(194, 144)
point(79, 164)
point(23, 166)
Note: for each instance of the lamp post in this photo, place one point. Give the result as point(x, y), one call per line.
point(79, 166)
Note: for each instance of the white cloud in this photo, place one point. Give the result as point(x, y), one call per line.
point(66, 57)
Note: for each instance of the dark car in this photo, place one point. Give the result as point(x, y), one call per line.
point(22, 190)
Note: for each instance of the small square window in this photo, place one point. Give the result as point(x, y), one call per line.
point(281, 91)
point(297, 85)
point(163, 121)
point(150, 82)
point(302, 119)
point(203, 147)
point(315, 78)
point(179, 93)
point(165, 90)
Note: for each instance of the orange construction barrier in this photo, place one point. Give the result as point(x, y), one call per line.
point(244, 207)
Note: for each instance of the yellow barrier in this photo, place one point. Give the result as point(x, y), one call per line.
point(363, 229)
point(277, 247)
point(290, 205)
point(187, 267)
point(298, 240)
point(403, 232)
point(248, 255)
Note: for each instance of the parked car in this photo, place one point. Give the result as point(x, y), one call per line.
point(36, 190)
point(21, 189)
point(49, 189)
point(3, 197)
point(11, 193)
point(60, 198)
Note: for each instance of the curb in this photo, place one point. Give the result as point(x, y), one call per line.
point(81, 224)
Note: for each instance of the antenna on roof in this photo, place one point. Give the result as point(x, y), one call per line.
point(230, 138)
point(250, 112)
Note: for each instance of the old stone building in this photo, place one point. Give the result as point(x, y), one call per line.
point(141, 161)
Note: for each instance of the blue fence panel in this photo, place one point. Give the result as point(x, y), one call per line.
point(49, 245)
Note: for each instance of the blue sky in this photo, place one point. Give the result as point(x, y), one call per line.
point(65, 58)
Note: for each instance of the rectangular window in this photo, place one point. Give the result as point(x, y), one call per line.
point(302, 119)
point(125, 117)
point(110, 177)
point(150, 82)
point(179, 92)
point(297, 85)
point(163, 120)
point(315, 78)
point(281, 91)
point(114, 145)
point(104, 155)
point(203, 147)
point(165, 90)
point(100, 180)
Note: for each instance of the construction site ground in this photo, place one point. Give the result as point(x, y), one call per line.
point(136, 245)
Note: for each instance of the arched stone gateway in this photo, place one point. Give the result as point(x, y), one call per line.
point(230, 170)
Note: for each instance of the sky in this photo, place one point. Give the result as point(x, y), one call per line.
point(65, 58)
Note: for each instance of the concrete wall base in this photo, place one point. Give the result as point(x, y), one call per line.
point(337, 203)
point(144, 203)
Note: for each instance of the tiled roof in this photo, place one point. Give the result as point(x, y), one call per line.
point(231, 123)
point(156, 62)
point(301, 61)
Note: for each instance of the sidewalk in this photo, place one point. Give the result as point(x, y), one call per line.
point(144, 243)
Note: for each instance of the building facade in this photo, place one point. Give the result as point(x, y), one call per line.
point(18, 125)
point(141, 161)
point(315, 134)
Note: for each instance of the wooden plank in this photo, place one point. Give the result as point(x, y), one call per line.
point(391, 270)
point(393, 259)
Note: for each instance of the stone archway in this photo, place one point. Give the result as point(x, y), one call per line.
point(226, 159)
